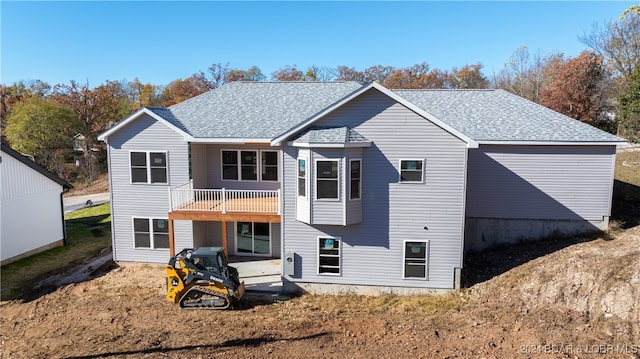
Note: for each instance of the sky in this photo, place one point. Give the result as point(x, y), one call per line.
point(158, 42)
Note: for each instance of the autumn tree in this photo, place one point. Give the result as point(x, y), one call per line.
point(378, 73)
point(629, 109)
point(143, 95)
point(288, 73)
point(98, 109)
point(252, 74)
point(179, 90)
point(42, 127)
point(574, 87)
point(19, 91)
point(345, 73)
point(523, 73)
point(467, 77)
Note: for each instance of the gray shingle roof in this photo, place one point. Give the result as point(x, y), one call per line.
point(254, 110)
point(264, 110)
point(331, 135)
point(497, 115)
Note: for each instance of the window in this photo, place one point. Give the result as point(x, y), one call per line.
point(327, 179)
point(269, 165)
point(329, 256)
point(253, 238)
point(230, 165)
point(411, 170)
point(148, 167)
point(415, 260)
point(249, 163)
point(243, 165)
point(150, 233)
point(302, 177)
point(355, 179)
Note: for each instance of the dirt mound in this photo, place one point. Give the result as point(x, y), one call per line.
point(600, 278)
point(579, 300)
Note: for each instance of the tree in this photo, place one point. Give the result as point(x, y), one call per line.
point(41, 128)
point(345, 73)
point(143, 95)
point(629, 109)
point(523, 74)
point(19, 91)
point(467, 77)
point(618, 42)
point(252, 74)
point(377, 73)
point(288, 73)
point(179, 90)
point(574, 87)
point(98, 109)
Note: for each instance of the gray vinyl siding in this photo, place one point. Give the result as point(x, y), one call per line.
point(540, 182)
point(372, 251)
point(207, 167)
point(138, 200)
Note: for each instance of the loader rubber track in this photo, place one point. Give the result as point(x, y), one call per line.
point(200, 297)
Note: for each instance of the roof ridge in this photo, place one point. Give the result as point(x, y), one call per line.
point(448, 90)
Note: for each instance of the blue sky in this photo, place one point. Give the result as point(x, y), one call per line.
point(158, 42)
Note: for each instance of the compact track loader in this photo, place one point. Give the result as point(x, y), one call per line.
point(201, 279)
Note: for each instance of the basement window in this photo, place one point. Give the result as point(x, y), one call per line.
point(329, 256)
point(150, 233)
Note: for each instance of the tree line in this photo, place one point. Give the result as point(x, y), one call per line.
point(600, 86)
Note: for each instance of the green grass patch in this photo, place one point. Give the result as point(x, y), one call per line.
point(88, 233)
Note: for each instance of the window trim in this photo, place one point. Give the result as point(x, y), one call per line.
point(306, 177)
point(426, 259)
point(235, 234)
point(359, 198)
point(422, 171)
point(151, 232)
point(148, 168)
point(339, 239)
point(338, 182)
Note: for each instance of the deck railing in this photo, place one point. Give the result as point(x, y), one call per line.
point(185, 198)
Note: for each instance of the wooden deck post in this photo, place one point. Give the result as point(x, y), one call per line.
point(224, 239)
point(172, 244)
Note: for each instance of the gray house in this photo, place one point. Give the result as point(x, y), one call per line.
point(357, 188)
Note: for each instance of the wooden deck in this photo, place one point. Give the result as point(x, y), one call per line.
point(254, 205)
point(238, 210)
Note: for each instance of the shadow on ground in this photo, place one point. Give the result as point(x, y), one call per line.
point(248, 342)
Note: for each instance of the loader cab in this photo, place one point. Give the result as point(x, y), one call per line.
point(211, 259)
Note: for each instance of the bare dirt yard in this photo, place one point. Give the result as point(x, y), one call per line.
point(576, 298)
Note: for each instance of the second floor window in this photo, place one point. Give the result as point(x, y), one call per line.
point(327, 179)
point(243, 165)
point(302, 177)
point(411, 171)
point(148, 167)
point(355, 180)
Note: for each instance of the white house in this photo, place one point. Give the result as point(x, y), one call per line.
point(31, 209)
